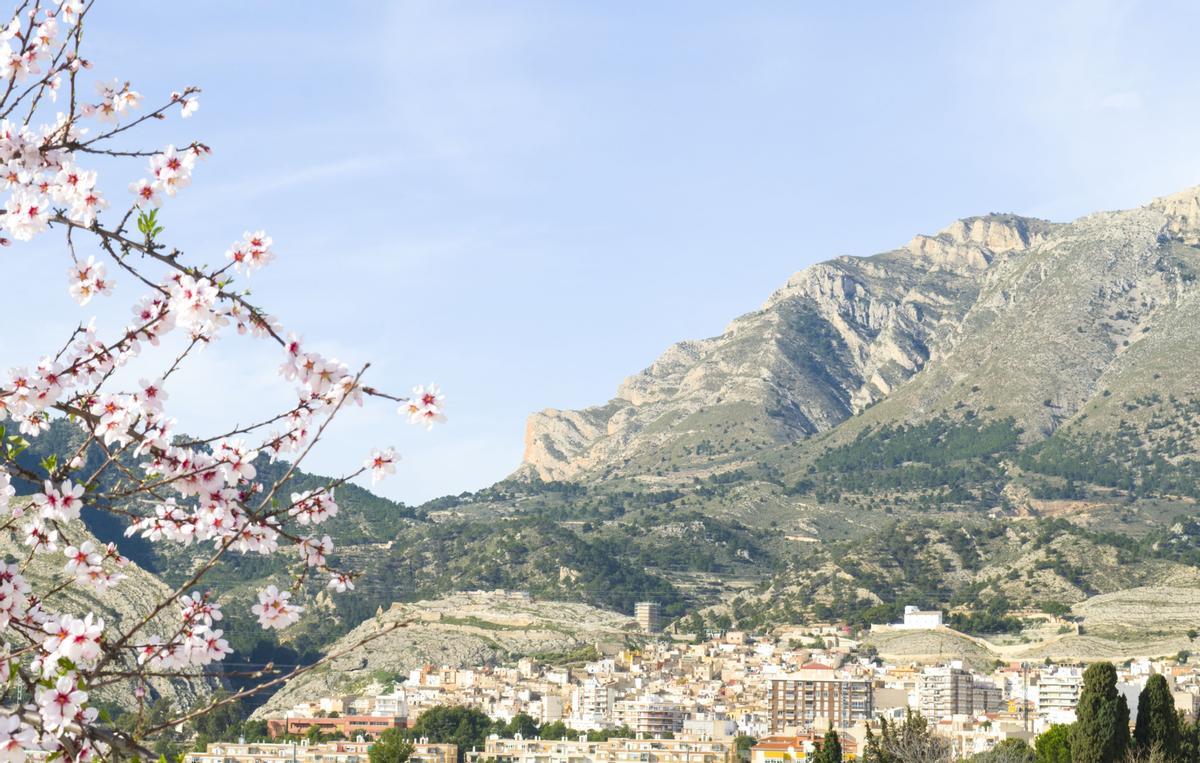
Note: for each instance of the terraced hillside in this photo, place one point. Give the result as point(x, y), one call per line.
point(462, 630)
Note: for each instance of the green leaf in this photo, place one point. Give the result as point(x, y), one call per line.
point(147, 223)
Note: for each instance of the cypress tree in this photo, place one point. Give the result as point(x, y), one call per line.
point(831, 749)
point(873, 752)
point(1157, 728)
point(1101, 730)
point(1189, 746)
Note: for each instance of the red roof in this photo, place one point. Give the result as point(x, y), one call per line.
point(815, 666)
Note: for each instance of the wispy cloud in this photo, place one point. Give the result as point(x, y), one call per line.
point(262, 183)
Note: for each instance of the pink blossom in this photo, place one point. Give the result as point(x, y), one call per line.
point(381, 463)
point(59, 704)
point(274, 610)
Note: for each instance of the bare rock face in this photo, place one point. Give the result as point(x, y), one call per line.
point(972, 243)
point(1183, 214)
point(838, 337)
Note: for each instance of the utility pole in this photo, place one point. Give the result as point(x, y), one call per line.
point(1025, 696)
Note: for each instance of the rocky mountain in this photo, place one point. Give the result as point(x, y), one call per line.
point(997, 315)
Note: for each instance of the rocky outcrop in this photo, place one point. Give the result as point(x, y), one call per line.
point(1183, 215)
point(998, 315)
point(972, 243)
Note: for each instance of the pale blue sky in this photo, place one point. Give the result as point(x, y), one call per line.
point(529, 201)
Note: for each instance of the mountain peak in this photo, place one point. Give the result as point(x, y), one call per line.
point(973, 242)
point(1183, 214)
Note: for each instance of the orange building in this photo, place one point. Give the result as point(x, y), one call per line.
point(798, 748)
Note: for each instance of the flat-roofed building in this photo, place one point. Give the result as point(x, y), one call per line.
point(818, 694)
point(944, 691)
point(394, 704)
point(1058, 692)
point(917, 619)
point(648, 615)
point(650, 714)
point(593, 705)
point(349, 726)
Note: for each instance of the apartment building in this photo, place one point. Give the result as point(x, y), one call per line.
point(1058, 692)
point(592, 705)
point(948, 690)
point(683, 750)
point(394, 704)
point(818, 693)
point(650, 714)
point(969, 737)
point(649, 616)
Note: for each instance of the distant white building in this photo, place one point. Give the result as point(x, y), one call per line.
point(551, 708)
point(920, 619)
point(394, 704)
point(650, 714)
point(944, 691)
point(709, 726)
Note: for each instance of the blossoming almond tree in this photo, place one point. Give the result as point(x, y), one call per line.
point(167, 487)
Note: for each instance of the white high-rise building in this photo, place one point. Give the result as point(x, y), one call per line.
point(394, 704)
point(948, 690)
point(1058, 693)
point(592, 705)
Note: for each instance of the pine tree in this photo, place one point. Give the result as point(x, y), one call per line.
point(1157, 726)
point(1101, 730)
point(1054, 745)
point(874, 750)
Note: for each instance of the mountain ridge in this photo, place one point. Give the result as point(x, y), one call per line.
point(912, 324)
